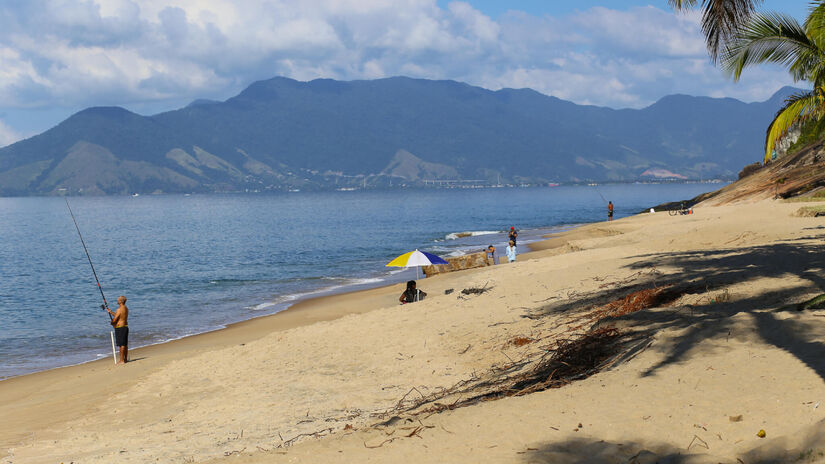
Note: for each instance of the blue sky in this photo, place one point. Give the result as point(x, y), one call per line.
point(60, 56)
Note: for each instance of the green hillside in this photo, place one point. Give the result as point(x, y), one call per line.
point(284, 134)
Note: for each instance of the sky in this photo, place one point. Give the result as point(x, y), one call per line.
point(58, 57)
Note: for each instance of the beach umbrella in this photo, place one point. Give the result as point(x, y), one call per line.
point(416, 258)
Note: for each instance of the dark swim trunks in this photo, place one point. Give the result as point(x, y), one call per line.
point(122, 336)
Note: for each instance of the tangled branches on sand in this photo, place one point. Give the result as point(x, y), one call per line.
point(571, 359)
point(631, 303)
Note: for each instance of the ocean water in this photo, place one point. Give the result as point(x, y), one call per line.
point(193, 263)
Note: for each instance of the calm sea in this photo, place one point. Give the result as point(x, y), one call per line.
point(190, 264)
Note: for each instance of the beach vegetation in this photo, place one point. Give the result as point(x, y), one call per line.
point(817, 196)
point(817, 302)
point(780, 39)
point(750, 169)
point(811, 131)
point(811, 211)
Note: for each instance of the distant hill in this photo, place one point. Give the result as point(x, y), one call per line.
point(285, 134)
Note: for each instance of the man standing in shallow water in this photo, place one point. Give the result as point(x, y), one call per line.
point(120, 319)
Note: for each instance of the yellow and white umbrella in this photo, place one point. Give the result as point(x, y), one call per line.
point(416, 258)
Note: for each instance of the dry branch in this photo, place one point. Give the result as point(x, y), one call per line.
point(317, 434)
point(569, 360)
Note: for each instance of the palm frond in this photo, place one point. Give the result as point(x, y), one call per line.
point(774, 38)
point(721, 19)
point(815, 23)
point(799, 106)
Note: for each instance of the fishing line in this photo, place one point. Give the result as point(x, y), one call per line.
point(105, 304)
point(600, 194)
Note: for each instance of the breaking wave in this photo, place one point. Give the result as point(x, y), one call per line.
point(457, 235)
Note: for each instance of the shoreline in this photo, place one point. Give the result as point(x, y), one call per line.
point(724, 360)
point(299, 302)
point(34, 387)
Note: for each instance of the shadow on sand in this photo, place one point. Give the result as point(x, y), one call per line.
point(593, 451)
point(774, 316)
point(801, 264)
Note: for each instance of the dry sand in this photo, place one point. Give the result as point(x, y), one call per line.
point(266, 390)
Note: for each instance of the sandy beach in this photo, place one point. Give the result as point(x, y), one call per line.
point(722, 354)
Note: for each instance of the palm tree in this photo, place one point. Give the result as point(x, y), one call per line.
point(720, 19)
point(779, 38)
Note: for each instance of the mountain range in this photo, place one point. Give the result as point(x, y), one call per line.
point(282, 134)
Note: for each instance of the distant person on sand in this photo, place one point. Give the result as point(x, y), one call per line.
point(411, 294)
point(491, 254)
point(120, 321)
point(609, 210)
point(512, 235)
point(511, 252)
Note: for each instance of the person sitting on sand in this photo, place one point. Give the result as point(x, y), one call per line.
point(411, 294)
point(491, 254)
point(511, 252)
point(120, 321)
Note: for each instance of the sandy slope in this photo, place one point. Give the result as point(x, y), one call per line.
point(730, 346)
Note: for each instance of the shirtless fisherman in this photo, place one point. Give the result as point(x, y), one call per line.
point(120, 323)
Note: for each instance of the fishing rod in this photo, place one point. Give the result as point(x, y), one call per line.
point(105, 304)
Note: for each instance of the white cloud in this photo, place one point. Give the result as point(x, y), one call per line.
point(373, 70)
point(7, 135)
point(648, 31)
point(96, 52)
point(474, 23)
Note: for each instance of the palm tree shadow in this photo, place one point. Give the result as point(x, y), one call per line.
point(717, 268)
point(799, 262)
point(594, 451)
